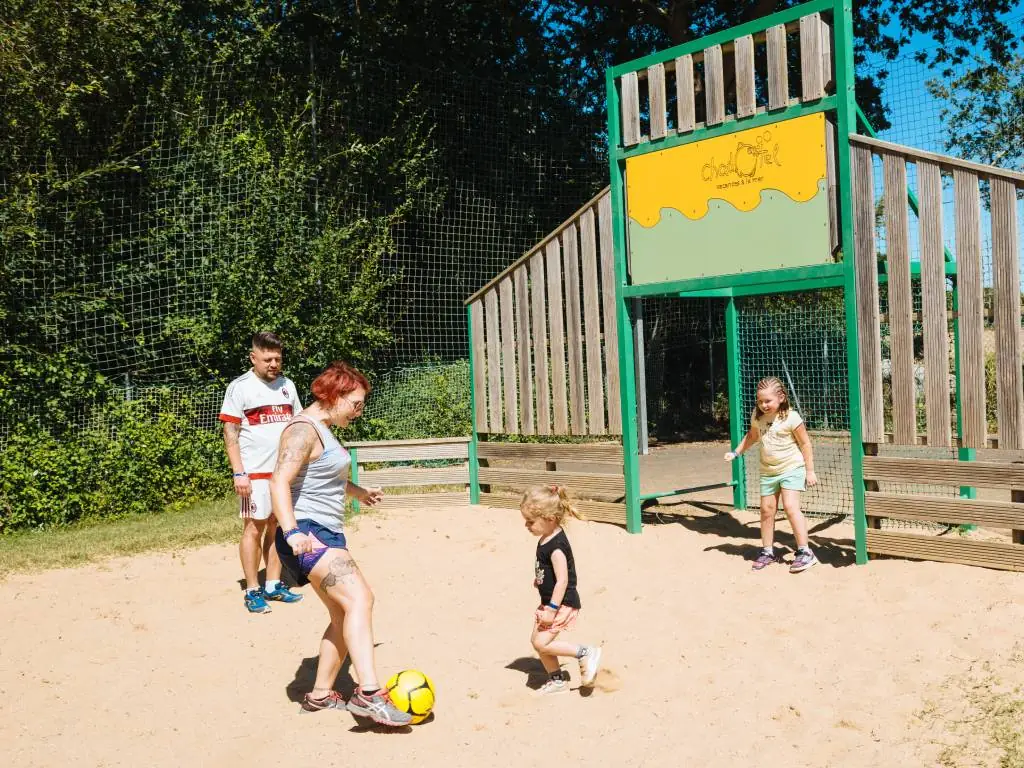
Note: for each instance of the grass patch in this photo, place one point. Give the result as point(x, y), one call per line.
point(210, 522)
point(981, 720)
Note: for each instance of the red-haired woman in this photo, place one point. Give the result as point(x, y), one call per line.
point(308, 490)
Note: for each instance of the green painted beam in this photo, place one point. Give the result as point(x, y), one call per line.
point(761, 279)
point(623, 320)
point(732, 125)
point(846, 124)
point(725, 36)
point(474, 465)
point(354, 476)
point(737, 422)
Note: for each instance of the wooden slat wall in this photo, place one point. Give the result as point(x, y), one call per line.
point(508, 356)
point(810, 57)
point(658, 107)
point(574, 331)
point(522, 299)
point(971, 308)
point(900, 299)
point(494, 423)
point(685, 104)
point(609, 321)
point(597, 511)
point(629, 105)
point(744, 57)
point(539, 339)
point(933, 305)
point(778, 68)
point(592, 323)
point(714, 85)
point(476, 314)
point(827, 68)
point(1006, 287)
point(866, 268)
point(556, 324)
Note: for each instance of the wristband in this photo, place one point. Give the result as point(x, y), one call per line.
point(292, 532)
point(551, 606)
point(240, 474)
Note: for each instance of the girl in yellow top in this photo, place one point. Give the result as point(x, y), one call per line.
point(787, 467)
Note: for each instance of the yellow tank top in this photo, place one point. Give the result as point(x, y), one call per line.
point(780, 453)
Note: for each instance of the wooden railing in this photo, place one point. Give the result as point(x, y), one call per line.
point(543, 335)
point(728, 68)
point(429, 486)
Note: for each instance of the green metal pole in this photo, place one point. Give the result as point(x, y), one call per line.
point(737, 424)
point(964, 454)
point(354, 475)
point(623, 319)
point(846, 116)
point(474, 467)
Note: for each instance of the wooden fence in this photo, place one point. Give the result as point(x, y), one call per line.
point(727, 75)
point(969, 181)
point(430, 486)
point(543, 333)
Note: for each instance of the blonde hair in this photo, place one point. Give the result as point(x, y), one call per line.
point(778, 388)
point(550, 502)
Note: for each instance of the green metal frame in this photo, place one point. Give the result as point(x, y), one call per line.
point(474, 466)
point(737, 424)
point(354, 475)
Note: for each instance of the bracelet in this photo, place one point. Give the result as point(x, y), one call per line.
point(552, 606)
point(292, 532)
point(240, 474)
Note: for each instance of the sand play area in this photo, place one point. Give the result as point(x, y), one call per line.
point(152, 661)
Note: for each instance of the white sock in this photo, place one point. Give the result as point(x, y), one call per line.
point(272, 584)
point(250, 590)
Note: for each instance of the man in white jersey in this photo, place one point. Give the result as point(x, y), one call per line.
point(257, 407)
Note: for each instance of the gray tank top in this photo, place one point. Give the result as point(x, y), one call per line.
point(318, 491)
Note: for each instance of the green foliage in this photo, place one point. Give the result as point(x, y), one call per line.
point(136, 457)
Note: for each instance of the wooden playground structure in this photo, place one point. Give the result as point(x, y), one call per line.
point(552, 337)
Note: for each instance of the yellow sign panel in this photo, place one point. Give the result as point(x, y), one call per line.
point(788, 157)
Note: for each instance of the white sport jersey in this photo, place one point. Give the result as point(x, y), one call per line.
point(263, 410)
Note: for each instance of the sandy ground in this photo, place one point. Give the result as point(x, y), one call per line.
point(152, 661)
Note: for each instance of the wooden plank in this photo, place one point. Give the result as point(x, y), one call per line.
point(592, 323)
point(904, 413)
point(410, 476)
point(386, 453)
point(971, 308)
point(810, 57)
point(576, 482)
point(609, 321)
point(523, 339)
point(598, 511)
point(985, 474)
point(629, 106)
point(986, 554)
point(421, 441)
point(539, 342)
point(610, 452)
point(938, 509)
point(827, 68)
point(476, 315)
point(866, 270)
point(714, 85)
point(574, 331)
point(508, 357)
point(686, 110)
point(444, 500)
point(494, 421)
point(658, 104)
point(746, 105)
point(933, 305)
point(1006, 300)
point(556, 325)
point(871, 449)
point(946, 162)
point(778, 68)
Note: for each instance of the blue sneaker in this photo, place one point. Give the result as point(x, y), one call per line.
point(283, 594)
point(255, 602)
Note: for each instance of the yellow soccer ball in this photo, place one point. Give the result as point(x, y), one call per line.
point(411, 691)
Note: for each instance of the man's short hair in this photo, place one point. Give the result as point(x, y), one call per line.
point(267, 341)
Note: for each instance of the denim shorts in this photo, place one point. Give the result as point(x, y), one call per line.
point(794, 480)
point(299, 567)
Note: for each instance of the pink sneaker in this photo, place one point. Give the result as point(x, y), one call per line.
point(764, 560)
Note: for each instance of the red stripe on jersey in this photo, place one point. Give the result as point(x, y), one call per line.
point(269, 414)
point(260, 475)
point(230, 419)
